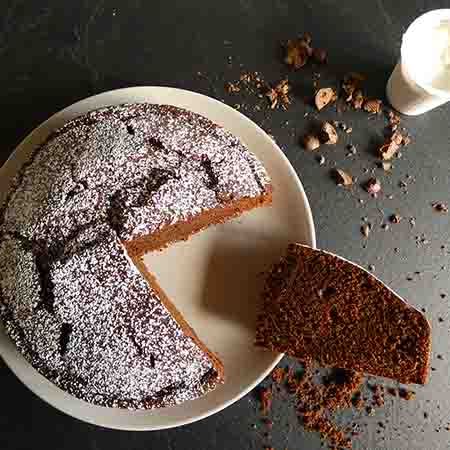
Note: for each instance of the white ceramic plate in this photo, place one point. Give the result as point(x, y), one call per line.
point(215, 278)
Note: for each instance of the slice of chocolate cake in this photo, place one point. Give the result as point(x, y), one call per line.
point(318, 306)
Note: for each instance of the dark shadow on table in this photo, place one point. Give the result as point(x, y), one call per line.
point(28, 104)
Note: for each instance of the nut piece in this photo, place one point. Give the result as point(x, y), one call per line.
point(394, 120)
point(232, 88)
point(391, 145)
point(395, 218)
point(278, 95)
point(311, 142)
point(298, 51)
point(351, 84)
point(373, 186)
point(357, 99)
point(323, 97)
point(388, 150)
point(351, 150)
point(372, 106)
point(406, 140)
point(387, 166)
point(441, 207)
point(343, 178)
point(397, 137)
point(328, 134)
point(365, 229)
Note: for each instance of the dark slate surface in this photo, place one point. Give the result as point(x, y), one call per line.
point(53, 53)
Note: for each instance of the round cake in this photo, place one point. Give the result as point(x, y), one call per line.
point(104, 189)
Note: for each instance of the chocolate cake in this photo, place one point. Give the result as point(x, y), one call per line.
point(318, 306)
point(75, 296)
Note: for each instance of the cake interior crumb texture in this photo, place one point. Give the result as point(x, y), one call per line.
point(75, 296)
point(320, 307)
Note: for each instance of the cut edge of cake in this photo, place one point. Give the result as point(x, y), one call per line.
point(182, 231)
point(219, 376)
point(279, 283)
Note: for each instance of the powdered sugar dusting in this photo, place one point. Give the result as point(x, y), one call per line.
point(70, 299)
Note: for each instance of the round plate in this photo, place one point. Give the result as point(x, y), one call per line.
point(214, 279)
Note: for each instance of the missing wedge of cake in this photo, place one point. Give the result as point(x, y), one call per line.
point(318, 306)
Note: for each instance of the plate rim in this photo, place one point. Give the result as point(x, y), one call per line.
point(147, 90)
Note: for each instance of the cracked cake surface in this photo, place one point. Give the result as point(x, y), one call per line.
point(101, 191)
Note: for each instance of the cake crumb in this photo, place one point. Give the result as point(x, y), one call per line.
point(278, 375)
point(377, 394)
point(343, 178)
point(265, 398)
point(392, 391)
point(358, 400)
point(406, 394)
point(232, 87)
point(315, 402)
point(278, 95)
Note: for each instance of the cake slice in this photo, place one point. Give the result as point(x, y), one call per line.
point(321, 307)
point(94, 326)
